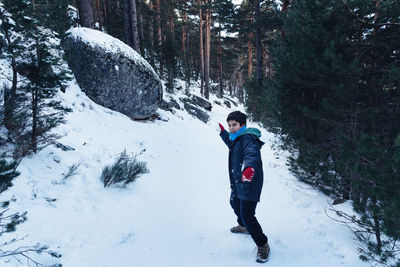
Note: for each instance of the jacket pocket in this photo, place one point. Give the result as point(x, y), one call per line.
point(243, 188)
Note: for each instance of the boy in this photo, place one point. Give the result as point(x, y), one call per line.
point(246, 178)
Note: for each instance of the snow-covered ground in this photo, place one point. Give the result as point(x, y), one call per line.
point(176, 215)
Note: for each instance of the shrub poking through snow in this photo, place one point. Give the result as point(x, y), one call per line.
point(72, 170)
point(124, 171)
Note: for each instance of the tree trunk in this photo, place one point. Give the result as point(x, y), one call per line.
point(377, 227)
point(34, 119)
point(185, 48)
point(141, 33)
point(35, 91)
point(172, 25)
point(221, 86)
point(9, 102)
point(98, 15)
point(133, 18)
point(240, 83)
point(250, 52)
point(258, 46)
point(184, 32)
point(201, 47)
point(267, 63)
point(128, 24)
point(219, 57)
point(285, 5)
point(159, 40)
point(151, 32)
point(86, 15)
point(105, 12)
point(188, 68)
point(207, 51)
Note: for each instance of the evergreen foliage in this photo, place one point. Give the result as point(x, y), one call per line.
point(13, 113)
point(333, 95)
point(38, 75)
point(330, 88)
point(124, 171)
point(8, 223)
point(176, 52)
point(55, 15)
point(114, 22)
point(7, 173)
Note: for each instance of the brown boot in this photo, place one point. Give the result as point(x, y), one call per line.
point(239, 230)
point(263, 253)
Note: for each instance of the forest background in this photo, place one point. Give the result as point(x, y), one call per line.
point(322, 74)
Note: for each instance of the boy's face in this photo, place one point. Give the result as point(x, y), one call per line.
point(234, 126)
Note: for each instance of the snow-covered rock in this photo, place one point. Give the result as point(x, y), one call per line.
point(202, 102)
point(112, 74)
point(196, 112)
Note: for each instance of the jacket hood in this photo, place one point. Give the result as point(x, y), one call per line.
point(253, 131)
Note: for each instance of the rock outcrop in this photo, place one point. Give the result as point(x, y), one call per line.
point(202, 102)
point(196, 112)
point(112, 74)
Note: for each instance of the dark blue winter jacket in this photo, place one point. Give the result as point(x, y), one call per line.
point(244, 152)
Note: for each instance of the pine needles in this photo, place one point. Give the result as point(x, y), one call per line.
point(124, 171)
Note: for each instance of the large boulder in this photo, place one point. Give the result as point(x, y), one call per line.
point(112, 74)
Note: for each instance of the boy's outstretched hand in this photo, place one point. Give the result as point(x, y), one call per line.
point(221, 127)
point(248, 174)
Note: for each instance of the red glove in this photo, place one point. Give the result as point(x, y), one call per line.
point(248, 174)
point(221, 127)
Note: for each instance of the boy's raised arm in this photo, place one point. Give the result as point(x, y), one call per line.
point(224, 135)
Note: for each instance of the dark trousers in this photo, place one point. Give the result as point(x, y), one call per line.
point(245, 212)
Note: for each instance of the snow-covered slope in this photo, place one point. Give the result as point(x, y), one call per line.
point(176, 215)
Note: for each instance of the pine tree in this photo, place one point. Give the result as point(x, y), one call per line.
point(12, 30)
point(7, 172)
point(55, 15)
point(224, 16)
point(40, 65)
point(131, 24)
point(333, 95)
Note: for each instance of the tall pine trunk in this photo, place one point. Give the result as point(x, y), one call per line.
point(86, 14)
point(134, 28)
point(240, 92)
point(201, 47)
point(221, 86)
point(258, 57)
point(151, 32)
point(98, 16)
point(140, 26)
point(250, 57)
point(35, 89)
point(258, 46)
point(131, 29)
point(159, 37)
point(185, 48)
point(10, 100)
point(34, 133)
point(219, 61)
point(127, 24)
point(207, 51)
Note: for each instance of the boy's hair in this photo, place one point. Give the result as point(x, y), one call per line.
point(237, 116)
